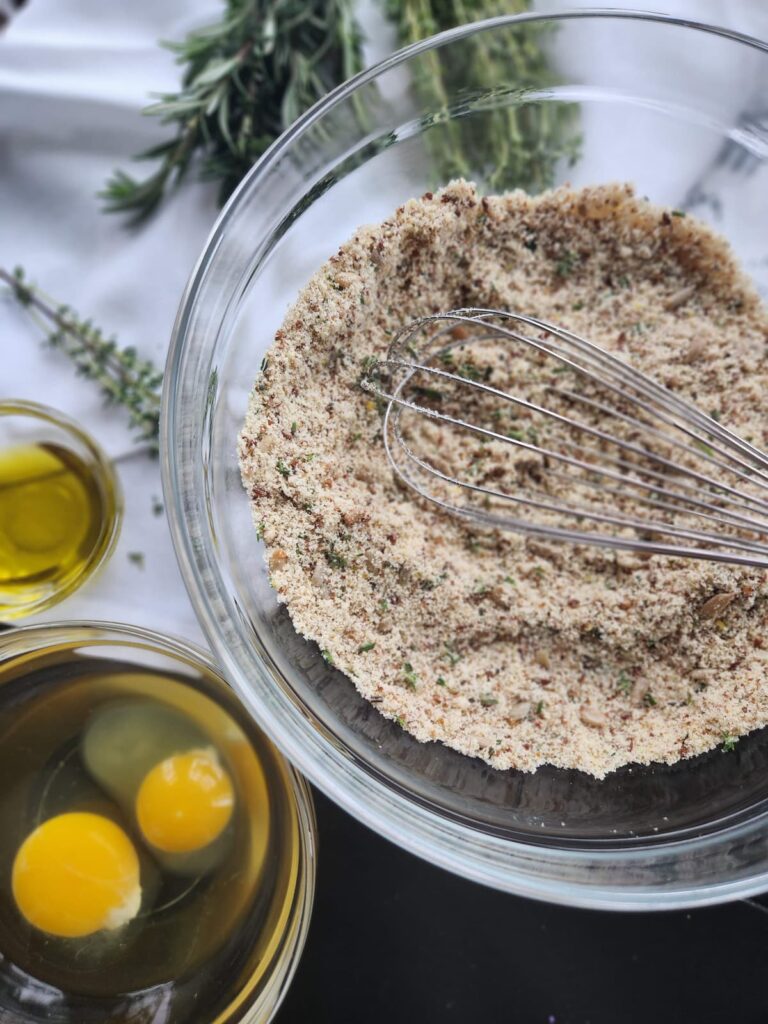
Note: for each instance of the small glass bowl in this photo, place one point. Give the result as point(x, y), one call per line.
point(52, 680)
point(25, 423)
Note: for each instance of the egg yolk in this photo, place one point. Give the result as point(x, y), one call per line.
point(185, 802)
point(76, 874)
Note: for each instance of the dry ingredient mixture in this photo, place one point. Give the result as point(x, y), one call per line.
point(502, 646)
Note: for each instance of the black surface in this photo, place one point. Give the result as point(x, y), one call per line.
point(394, 941)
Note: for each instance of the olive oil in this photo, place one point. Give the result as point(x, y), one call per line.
point(76, 735)
point(54, 514)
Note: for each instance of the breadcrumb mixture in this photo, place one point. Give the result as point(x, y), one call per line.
point(504, 647)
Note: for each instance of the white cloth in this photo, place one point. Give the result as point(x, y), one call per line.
point(74, 75)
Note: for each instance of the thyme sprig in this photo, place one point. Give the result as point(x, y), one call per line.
point(124, 378)
point(518, 143)
point(245, 80)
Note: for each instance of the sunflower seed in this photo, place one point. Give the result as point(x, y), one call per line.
point(716, 605)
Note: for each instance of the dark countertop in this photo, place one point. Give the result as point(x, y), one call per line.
point(394, 940)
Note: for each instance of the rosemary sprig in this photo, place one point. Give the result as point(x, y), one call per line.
point(248, 77)
point(516, 141)
point(123, 377)
point(245, 80)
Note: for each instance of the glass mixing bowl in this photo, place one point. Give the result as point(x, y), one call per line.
point(685, 133)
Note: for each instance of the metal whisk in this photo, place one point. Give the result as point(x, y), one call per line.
point(522, 425)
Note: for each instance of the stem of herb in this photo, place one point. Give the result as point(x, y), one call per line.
point(123, 377)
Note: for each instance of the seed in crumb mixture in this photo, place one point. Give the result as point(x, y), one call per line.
point(503, 646)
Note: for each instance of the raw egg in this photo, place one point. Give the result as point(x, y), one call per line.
point(168, 777)
point(185, 802)
point(76, 874)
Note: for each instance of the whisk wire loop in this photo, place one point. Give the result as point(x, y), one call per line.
point(644, 448)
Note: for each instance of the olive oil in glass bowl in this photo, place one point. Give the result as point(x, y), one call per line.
point(156, 852)
point(60, 508)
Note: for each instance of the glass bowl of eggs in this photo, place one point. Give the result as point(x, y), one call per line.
point(158, 854)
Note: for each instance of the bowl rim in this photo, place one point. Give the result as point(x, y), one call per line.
point(615, 879)
point(29, 640)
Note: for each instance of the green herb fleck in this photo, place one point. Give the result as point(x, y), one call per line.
point(334, 559)
point(366, 647)
point(308, 458)
point(487, 701)
point(424, 392)
point(157, 506)
point(441, 681)
point(539, 709)
point(400, 721)
point(294, 427)
point(649, 700)
point(260, 530)
point(704, 447)
point(729, 742)
point(678, 213)
point(566, 264)
point(327, 656)
point(282, 469)
point(409, 675)
point(136, 558)
point(509, 579)
point(472, 372)
point(451, 655)
point(624, 683)
point(432, 584)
